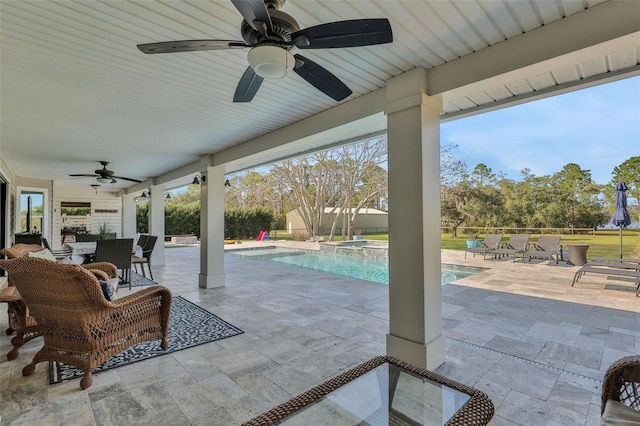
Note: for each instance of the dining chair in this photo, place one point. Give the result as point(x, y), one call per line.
point(147, 250)
point(87, 238)
point(142, 240)
point(27, 239)
point(118, 252)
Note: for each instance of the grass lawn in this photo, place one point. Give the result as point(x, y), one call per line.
point(603, 244)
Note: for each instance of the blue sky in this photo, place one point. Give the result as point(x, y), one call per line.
point(597, 128)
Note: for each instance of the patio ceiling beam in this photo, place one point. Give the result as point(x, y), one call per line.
point(359, 116)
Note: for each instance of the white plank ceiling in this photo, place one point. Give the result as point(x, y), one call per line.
point(75, 89)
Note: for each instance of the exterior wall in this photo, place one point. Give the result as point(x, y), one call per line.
point(9, 215)
point(373, 219)
point(99, 201)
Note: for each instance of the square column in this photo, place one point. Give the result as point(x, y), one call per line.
point(128, 218)
point(212, 228)
point(156, 222)
point(415, 292)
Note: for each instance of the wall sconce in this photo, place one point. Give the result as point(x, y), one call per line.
point(143, 197)
point(198, 178)
point(168, 196)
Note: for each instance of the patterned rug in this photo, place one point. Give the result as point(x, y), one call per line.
point(189, 326)
point(138, 280)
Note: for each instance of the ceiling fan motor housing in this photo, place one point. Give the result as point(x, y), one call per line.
point(283, 25)
point(270, 61)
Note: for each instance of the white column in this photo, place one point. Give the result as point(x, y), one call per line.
point(212, 229)
point(156, 222)
point(128, 224)
point(415, 293)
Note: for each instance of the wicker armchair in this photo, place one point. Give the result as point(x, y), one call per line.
point(621, 383)
point(78, 325)
point(20, 320)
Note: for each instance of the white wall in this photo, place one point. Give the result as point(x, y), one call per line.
point(99, 201)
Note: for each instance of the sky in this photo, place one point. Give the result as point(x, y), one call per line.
point(597, 128)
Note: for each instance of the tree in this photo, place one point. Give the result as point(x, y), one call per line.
point(361, 180)
point(629, 173)
point(484, 174)
point(305, 181)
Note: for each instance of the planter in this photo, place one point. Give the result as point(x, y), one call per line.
point(473, 243)
point(358, 237)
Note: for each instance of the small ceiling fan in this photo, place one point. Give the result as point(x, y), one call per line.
point(105, 176)
point(274, 37)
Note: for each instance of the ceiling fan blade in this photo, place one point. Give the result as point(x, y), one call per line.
point(256, 14)
point(78, 175)
point(113, 179)
point(247, 86)
point(353, 33)
point(321, 78)
point(190, 46)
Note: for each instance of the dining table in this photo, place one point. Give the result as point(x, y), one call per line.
point(80, 251)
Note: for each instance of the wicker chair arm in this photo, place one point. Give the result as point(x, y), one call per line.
point(101, 275)
point(622, 382)
point(144, 294)
point(109, 268)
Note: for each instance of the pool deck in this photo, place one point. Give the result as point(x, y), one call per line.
point(520, 333)
point(538, 278)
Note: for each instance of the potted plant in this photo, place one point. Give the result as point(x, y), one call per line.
point(104, 230)
point(357, 234)
point(472, 240)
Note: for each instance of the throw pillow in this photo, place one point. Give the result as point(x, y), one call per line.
point(107, 290)
point(43, 254)
point(67, 261)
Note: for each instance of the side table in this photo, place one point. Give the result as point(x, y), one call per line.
point(380, 392)
point(577, 254)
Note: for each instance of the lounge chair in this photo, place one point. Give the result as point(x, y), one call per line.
point(490, 242)
point(621, 269)
point(516, 244)
point(547, 247)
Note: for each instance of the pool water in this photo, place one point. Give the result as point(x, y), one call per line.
point(355, 267)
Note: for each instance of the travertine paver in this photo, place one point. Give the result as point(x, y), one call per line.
point(516, 331)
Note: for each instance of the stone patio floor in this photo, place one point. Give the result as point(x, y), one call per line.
point(518, 332)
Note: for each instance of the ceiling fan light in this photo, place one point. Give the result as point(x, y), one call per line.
point(271, 61)
point(104, 179)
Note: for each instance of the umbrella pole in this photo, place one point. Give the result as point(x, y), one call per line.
point(620, 241)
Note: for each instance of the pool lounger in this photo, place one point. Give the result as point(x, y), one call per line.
point(609, 270)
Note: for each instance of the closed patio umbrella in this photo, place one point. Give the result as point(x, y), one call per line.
point(621, 216)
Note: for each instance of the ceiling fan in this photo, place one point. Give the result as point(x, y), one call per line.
point(274, 37)
point(104, 175)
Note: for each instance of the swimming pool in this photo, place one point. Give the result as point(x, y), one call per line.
point(355, 267)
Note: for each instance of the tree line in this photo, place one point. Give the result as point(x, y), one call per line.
point(349, 178)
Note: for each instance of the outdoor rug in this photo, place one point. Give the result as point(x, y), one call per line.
point(189, 326)
point(138, 280)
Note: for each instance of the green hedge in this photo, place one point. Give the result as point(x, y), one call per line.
point(247, 223)
point(184, 219)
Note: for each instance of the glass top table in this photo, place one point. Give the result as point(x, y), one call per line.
point(383, 391)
